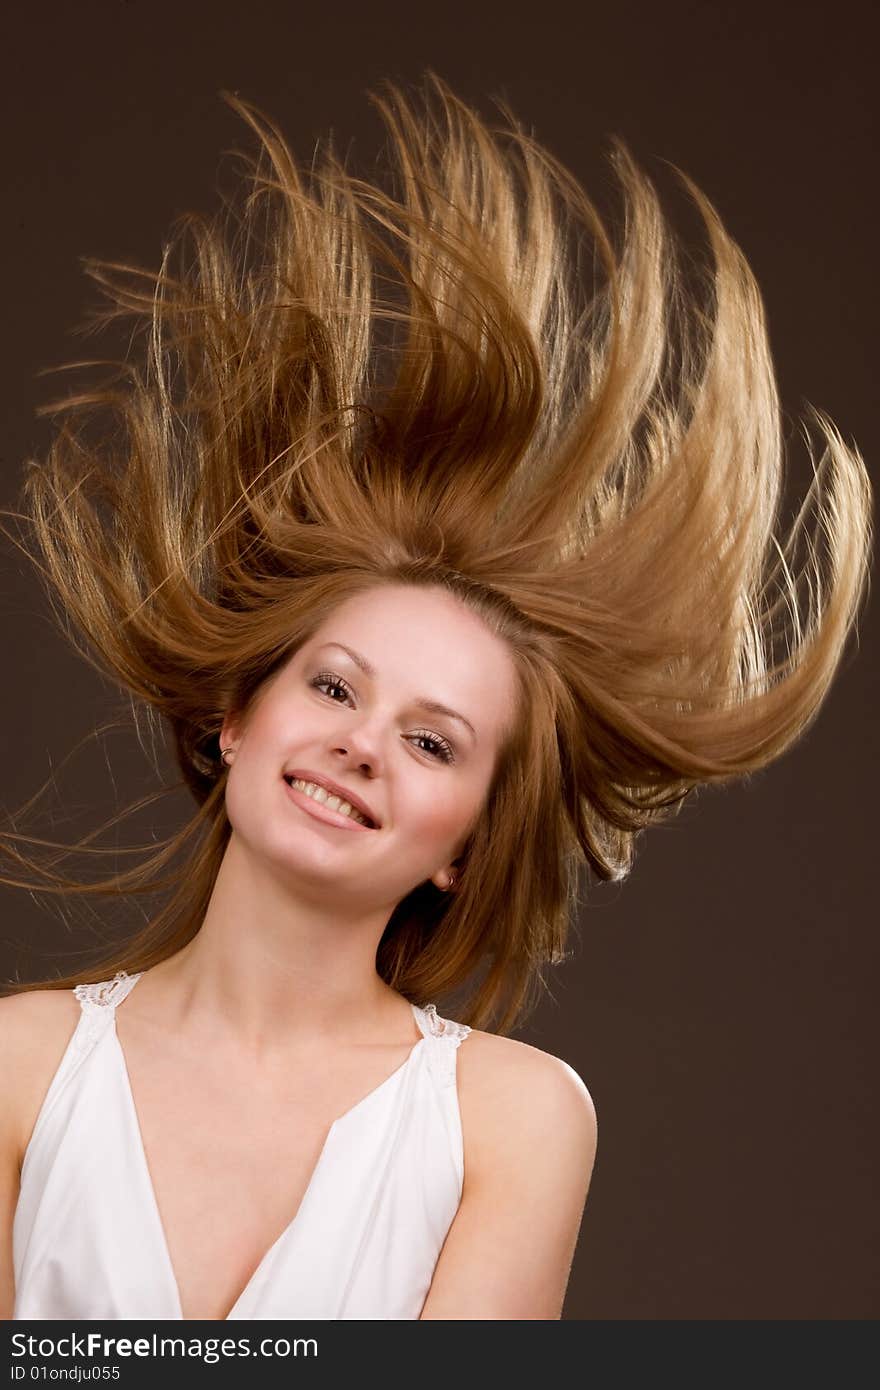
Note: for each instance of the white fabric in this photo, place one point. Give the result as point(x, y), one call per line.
point(88, 1241)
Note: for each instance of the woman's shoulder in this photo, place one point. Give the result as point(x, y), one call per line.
point(514, 1098)
point(35, 1028)
point(32, 1018)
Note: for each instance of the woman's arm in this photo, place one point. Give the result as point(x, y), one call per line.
point(35, 1028)
point(530, 1144)
point(8, 1200)
point(16, 1025)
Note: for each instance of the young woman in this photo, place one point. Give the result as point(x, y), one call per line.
point(448, 572)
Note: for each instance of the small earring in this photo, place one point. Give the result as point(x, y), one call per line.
point(450, 881)
point(223, 752)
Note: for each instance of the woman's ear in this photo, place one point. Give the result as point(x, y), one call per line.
point(445, 878)
point(229, 732)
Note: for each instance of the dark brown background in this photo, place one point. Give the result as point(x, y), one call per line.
point(720, 1005)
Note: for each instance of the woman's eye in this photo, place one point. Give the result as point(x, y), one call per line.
point(333, 682)
point(437, 747)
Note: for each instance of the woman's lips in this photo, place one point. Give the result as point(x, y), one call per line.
point(322, 812)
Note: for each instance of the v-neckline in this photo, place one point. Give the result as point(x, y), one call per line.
point(291, 1225)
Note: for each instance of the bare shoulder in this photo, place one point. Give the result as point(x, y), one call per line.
point(513, 1099)
point(35, 1029)
point(529, 1130)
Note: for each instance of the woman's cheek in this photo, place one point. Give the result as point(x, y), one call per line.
point(443, 818)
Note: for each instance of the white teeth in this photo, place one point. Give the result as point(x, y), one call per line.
point(334, 803)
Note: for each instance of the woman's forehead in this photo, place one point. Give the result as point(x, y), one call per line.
point(430, 640)
point(388, 625)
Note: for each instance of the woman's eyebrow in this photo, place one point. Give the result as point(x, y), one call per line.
point(422, 701)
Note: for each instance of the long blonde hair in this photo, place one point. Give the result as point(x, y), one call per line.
point(342, 384)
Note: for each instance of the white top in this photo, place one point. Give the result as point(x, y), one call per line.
point(88, 1241)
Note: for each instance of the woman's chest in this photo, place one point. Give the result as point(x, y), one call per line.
point(230, 1160)
point(228, 1171)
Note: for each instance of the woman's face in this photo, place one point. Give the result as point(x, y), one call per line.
point(359, 706)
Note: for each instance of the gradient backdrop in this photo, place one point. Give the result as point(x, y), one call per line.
point(720, 1005)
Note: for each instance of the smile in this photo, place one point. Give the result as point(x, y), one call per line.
point(318, 802)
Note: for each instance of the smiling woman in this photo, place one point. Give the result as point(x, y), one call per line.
point(360, 737)
point(442, 593)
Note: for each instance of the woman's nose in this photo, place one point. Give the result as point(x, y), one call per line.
point(363, 744)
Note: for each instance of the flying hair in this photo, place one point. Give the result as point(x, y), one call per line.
point(338, 383)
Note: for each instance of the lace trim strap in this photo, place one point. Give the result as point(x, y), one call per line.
point(447, 1036)
point(98, 1006)
point(107, 993)
point(445, 1027)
